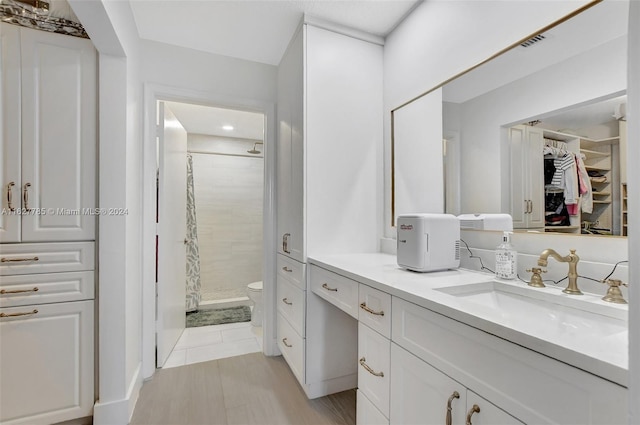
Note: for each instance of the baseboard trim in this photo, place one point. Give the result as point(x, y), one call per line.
point(119, 412)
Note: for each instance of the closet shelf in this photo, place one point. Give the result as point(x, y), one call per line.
point(601, 202)
point(590, 153)
point(596, 168)
point(601, 193)
point(561, 228)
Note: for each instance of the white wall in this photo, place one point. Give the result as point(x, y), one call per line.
point(574, 81)
point(192, 69)
point(112, 29)
point(443, 38)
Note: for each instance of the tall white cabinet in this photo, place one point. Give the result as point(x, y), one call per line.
point(527, 177)
point(329, 152)
point(47, 226)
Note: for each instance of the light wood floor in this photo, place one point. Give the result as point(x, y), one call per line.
point(245, 390)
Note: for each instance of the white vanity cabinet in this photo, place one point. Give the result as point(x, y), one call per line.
point(48, 152)
point(527, 177)
point(523, 384)
point(414, 363)
point(329, 130)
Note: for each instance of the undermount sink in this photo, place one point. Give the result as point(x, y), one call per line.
point(541, 309)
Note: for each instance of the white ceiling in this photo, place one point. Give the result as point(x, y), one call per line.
point(256, 30)
point(197, 119)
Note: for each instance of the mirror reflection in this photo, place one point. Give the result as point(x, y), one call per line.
point(539, 132)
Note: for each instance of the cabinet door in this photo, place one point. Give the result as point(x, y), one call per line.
point(366, 412)
point(535, 175)
point(373, 373)
point(46, 358)
point(10, 128)
point(420, 393)
point(58, 136)
point(487, 413)
point(290, 161)
point(527, 177)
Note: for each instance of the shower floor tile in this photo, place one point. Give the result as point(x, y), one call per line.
point(207, 343)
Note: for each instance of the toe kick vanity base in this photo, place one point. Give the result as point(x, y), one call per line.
point(418, 365)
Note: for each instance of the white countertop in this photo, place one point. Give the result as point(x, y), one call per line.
point(607, 357)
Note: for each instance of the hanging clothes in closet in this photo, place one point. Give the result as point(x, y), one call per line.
point(561, 184)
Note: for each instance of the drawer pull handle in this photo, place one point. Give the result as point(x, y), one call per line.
point(10, 196)
point(284, 341)
point(474, 409)
point(454, 395)
point(368, 310)
point(19, 291)
point(17, 260)
point(25, 196)
point(368, 369)
point(28, 313)
point(286, 301)
point(325, 286)
point(287, 269)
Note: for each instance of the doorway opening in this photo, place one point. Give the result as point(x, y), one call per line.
point(210, 197)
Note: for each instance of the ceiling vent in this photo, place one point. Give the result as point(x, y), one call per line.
point(533, 40)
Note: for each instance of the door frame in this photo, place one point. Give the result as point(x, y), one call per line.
point(158, 92)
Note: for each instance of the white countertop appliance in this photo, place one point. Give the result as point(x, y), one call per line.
point(502, 222)
point(428, 242)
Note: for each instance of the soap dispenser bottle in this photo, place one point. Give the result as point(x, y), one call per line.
point(506, 259)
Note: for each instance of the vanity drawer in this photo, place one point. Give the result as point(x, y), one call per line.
point(375, 309)
point(374, 358)
point(31, 258)
point(366, 412)
point(291, 270)
point(291, 346)
point(46, 288)
point(291, 301)
point(338, 290)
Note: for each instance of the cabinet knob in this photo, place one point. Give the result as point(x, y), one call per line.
point(453, 396)
point(284, 341)
point(474, 409)
point(286, 301)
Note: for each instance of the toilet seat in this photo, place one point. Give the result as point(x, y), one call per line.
point(255, 286)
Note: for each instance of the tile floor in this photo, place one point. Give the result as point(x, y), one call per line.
point(207, 343)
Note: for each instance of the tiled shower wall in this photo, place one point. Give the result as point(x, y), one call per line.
point(228, 195)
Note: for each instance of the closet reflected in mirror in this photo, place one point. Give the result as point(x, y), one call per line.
point(557, 99)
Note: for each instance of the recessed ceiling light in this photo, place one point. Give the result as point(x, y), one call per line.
point(227, 127)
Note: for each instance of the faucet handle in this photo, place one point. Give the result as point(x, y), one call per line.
point(614, 295)
point(536, 279)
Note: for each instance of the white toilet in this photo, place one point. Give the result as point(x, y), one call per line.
point(254, 291)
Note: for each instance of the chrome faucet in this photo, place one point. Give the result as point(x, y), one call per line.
point(572, 259)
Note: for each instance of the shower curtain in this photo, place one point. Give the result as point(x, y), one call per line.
point(193, 252)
